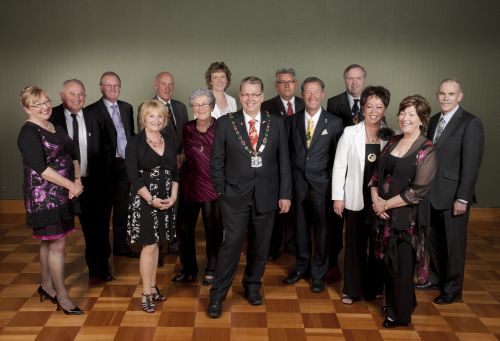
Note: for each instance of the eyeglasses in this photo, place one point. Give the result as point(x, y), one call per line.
point(47, 104)
point(286, 83)
point(252, 96)
point(200, 106)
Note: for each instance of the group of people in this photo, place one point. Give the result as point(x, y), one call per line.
point(283, 174)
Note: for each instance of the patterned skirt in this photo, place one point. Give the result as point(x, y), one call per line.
point(147, 225)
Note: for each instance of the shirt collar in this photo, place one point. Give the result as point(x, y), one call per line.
point(447, 117)
point(248, 118)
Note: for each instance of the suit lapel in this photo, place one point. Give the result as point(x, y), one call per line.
point(279, 104)
point(455, 120)
point(264, 122)
point(360, 141)
point(432, 126)
point(239, 120)
point(301, 126)
point(322, 122)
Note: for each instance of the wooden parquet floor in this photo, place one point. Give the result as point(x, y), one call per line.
point(112, 309)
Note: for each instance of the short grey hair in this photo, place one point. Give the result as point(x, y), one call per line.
point(200, 93)
point(74, 80)
point(452, 80)
point(285, 70)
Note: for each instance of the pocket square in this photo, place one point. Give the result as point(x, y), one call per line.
point(324, 132)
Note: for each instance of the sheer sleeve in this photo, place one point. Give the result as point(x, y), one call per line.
point(31, 148)
point(426, 167)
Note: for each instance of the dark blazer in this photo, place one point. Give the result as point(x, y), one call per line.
point(231, 169)
point(126, 113)
point(275, 106)
point(313, 167)
point(340, 107)
point(459, 150)
point(96, 138)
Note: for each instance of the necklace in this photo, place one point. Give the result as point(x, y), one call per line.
point(47, 125)
point(155, 144)
point(371, 138)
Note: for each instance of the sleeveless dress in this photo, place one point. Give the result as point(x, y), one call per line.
point(49, 211)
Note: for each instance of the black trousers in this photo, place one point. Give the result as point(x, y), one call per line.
point(95, 232)
point(212, 222)
point(447, 249)
point(335, 239)
point(313, 216)
point(363, 272)
point(399, 290)
point(283, 233)
point(117, 198)
point(235, 223)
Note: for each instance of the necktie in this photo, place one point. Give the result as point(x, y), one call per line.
point(121, 138)
point(439, 130)
point(252, 134)
point(76, 138)
point(289, 110)
point(355, 111)
point(309, 132)
point(171, 117)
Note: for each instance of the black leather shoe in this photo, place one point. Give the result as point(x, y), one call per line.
point(208, 280)
point(182, 278)
point(214, 309)
point(74, 311)
point(426, 286)
point(296, 276)
point(393, 324)
point(384, 309)
point(446, 299)
point(318, 285)
point(254, 297)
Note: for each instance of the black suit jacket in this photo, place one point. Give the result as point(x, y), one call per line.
point(231, 170)
point(340, 107)
point(97, 150)
point(101, 113)
point(275, 106)
point(459, 153)
point(312, 168)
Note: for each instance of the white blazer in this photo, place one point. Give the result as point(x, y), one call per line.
point(231, 107)
point(350, 159)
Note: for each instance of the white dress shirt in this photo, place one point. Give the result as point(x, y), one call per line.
point(82, 138)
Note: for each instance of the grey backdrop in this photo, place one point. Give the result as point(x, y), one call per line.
point(407, 46)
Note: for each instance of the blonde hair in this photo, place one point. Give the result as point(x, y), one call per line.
point(150, 106)
point(30, 94)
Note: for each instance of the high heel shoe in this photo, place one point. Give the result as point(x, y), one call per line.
point(74, 311)
point(158, 296)
point(44, 295)
point(148, 305)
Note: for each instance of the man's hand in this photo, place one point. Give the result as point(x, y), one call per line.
point(284, 205)
point(459, 208)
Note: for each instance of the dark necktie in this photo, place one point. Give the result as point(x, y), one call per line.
point(171, 116)
point(76, 138)
point(289, 110)
point(355, 111)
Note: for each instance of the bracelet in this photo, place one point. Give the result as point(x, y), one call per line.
point(385, 205)
point(150, 202)
point(78, 178)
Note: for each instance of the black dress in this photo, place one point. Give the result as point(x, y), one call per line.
point(49, 211)
point(146, 224)
point(409, 176)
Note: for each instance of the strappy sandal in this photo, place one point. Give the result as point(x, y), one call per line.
point(158, 296)
point(148, 305)
point(346, 299)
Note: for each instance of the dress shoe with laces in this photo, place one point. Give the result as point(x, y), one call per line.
point(426, 286)
point(295, 276)
point(214, 309)
point(446, 299)
point(254, 297)
point(393, 324)
point(182, 278)
point(317, 285)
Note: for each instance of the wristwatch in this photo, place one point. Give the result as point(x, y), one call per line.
point(150, 202)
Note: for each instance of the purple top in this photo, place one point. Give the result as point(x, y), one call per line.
point(195, 177)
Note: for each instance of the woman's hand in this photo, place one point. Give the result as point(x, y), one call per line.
point(338, 207)
point(379, 205)
point(75, 189)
